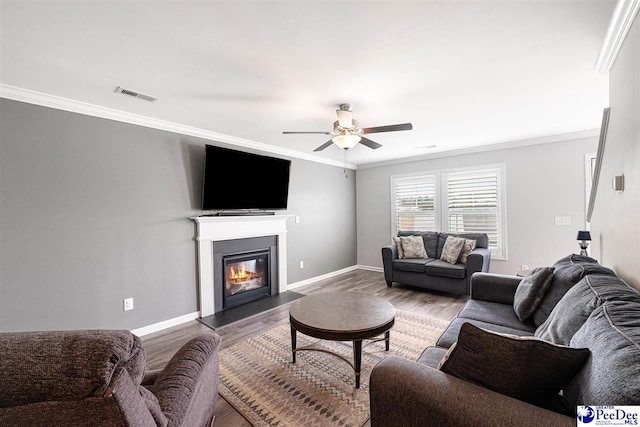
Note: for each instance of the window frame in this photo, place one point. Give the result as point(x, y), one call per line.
point(441, 198)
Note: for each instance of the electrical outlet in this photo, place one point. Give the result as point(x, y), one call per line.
point(128, 304)
point(297, 219)
point(524, 267)
point(563, 220)
point(301, 264)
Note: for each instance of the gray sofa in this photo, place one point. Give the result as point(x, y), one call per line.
point(98, 378)
point(586, 306)
point(433, 273)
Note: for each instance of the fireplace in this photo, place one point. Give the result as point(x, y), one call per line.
point(214, 230)
point(244, 270)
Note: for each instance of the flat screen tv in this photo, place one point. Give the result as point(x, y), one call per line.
point(236, 180)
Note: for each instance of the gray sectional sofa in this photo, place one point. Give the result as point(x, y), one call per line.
point(432, 272)
point(586, 306)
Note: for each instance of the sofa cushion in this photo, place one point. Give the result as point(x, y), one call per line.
point(495, 313)
point(442, 268)
point(579, 302)
point(531, 290)
point(430, 239)
point(413, 247)
point(524, 368)
point(398, 243)
point(151, 401)
point(469, 246)
point(452, 249)
point(568, 271)
point(414, 265)
point(450, 335)
point(610, 376)
point(431, 356)
point(482, 240)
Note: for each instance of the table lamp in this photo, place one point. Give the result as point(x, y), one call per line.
point(585, 238)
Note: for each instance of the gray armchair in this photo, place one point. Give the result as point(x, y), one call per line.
point(98, 378)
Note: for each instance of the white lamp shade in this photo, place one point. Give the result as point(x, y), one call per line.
point(346, 141)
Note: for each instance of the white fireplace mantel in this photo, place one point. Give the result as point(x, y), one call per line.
point(217, 228)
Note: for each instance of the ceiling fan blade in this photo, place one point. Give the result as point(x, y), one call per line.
point(306, 132)
point(325, 145)
point(369, 143)
point(389, 128)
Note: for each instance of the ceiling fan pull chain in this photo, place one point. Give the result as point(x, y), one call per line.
point(346, 175)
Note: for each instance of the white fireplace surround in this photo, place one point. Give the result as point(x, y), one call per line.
point(217, 228)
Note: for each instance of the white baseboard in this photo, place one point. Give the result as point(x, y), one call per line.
point(322, 277)
point(370, 268)
point(156, 327)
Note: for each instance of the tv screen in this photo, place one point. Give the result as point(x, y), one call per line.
point(236, 180)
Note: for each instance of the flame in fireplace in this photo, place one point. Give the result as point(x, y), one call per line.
point(240, 275)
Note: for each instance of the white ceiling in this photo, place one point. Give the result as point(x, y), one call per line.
point(465, 73)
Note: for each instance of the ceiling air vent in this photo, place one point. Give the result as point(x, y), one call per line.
point(136, 94)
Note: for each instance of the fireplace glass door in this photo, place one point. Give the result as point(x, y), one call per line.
point(246, 277)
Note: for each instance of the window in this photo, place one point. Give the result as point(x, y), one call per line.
point(456, 201)
point(415, 203)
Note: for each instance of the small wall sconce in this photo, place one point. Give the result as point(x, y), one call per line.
point(585, 238)
point(618, 183)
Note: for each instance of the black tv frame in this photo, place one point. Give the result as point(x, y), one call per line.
point(263, 163)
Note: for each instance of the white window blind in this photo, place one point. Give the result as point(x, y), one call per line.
point(473, 204)
point(415, 207)
point(457, 201)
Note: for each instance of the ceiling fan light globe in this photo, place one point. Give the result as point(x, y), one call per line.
point(346, 141)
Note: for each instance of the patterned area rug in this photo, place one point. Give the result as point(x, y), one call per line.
point(259, 380)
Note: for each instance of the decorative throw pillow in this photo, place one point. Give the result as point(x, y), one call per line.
point(524, 368)
point(413, 247)
point(398, 243)
point(531, 290)
point(568, 271)
point(469, 245)
point(452, 249)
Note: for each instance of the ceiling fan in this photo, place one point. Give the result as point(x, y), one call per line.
point(348, 133)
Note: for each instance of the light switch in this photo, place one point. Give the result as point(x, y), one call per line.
point(563, 220)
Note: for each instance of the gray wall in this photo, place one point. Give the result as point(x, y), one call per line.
point(93, 211)
point(542, 181)
point(615, 224)
point(325, 238)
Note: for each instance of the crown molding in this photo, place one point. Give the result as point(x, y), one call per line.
point(79, 107)
point(592, 133)
point(621, 21)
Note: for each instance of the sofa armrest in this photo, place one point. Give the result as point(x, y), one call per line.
point(494, 287)
point(478, 261)
point(389, 253)
point(406, 393)
point(190, 381)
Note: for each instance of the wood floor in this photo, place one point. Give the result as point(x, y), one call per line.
point(160, 346)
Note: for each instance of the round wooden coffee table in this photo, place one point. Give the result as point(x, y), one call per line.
point(341, 316)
